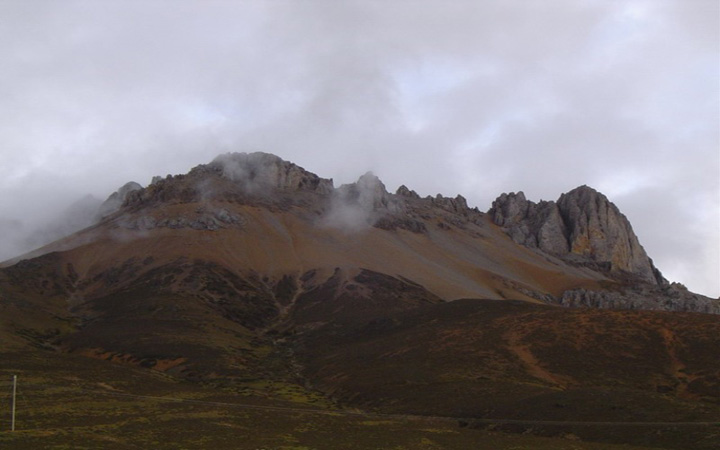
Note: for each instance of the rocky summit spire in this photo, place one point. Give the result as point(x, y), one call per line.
point(259, 171)
point(369, 192)
point(582, 226)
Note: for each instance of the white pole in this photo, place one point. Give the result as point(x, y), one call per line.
point(12, 427)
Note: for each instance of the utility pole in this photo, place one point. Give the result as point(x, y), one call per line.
point(12, 426)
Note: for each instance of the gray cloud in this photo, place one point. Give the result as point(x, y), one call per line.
point(467, 97)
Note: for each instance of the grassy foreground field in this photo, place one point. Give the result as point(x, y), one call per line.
point(74, 402)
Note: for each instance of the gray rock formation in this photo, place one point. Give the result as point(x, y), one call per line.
point(359, 205)
point(536, 225)
point(202, 219)
point(670, 297)
point(251, 179)
point(261, 171)
point(116, 199)
point(583, 226)
point(403, 191)
point(598, 231)
point(367, 203)
point(368, 191)
point(457, 205)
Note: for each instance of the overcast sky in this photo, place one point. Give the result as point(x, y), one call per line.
point(468, 97)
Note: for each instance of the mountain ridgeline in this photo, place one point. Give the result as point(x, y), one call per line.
point(583, 229)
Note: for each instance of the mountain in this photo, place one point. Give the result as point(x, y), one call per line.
point(283, 221)
point(251, 271)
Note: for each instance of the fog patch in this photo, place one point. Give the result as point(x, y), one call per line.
point(205, 189)
point(14, 234)
point(123, 235)
point(345, 216)
point(20, 238)
point(253, 172)
point(357, 206)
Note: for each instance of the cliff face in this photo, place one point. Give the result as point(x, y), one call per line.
point(536, 225)
point(582, 226)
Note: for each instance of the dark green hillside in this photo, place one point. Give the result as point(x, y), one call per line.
point(514, 360)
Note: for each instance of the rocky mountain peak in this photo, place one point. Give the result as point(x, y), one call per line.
point(368, 192)
point(598, 230)
point(404, 191)
point(509, 209)
point(456, 205)
point(117, 198)
point(583, 191)
point(245, 178)
point(261, 171)
point(582, 226)
point(371, 191)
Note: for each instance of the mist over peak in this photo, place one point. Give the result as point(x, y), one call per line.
point(259, 171)
point(116, 199)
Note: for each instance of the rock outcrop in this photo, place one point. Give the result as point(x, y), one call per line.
point(209, 219)
point(368, 192)
point(403, 191)
point(254, 178)
point(669, 297)
point(597, 230)
point(367, 203)
point(261, 171)
point(456, 205)
point(116, 199)
point(536, 225)
point(583, 226)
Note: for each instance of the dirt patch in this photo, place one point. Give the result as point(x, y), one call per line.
point(531, 363)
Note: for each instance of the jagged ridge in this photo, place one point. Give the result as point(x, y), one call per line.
point(582, 227)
